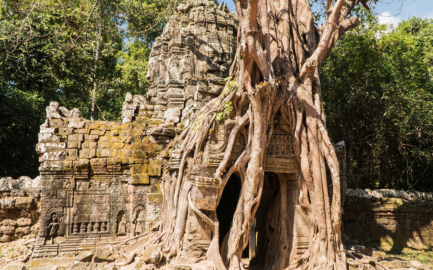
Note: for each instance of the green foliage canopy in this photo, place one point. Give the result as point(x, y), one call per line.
point(378, 89)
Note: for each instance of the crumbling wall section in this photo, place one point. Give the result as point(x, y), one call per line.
point(100, 181)
point(19, 208)
point(389, 219)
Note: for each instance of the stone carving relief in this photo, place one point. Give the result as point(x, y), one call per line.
point(121, 224)
point(191, 58)
point(103, 180)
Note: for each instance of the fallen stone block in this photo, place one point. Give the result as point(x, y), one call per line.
point(378, 255)
point(16, 266)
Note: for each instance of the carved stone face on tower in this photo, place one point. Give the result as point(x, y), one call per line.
point(189, 61)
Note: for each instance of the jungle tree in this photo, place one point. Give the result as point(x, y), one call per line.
point(276, 71)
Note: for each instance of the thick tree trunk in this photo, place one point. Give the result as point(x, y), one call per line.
point(275, 73)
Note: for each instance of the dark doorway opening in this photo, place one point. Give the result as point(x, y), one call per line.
point(254, 257)
point(227, 206)
point(262, 229)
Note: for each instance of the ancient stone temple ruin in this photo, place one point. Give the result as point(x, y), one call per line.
point(102, 182)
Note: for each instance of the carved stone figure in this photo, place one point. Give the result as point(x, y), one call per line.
point(121, 226)
point(53, 226)
point(139, 222)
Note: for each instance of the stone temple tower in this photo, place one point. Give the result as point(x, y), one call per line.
point(103, 182)
point(191, 59)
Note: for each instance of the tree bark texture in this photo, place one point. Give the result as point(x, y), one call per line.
point(275, 72)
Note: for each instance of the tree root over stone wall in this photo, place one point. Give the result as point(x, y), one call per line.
point(275, 75)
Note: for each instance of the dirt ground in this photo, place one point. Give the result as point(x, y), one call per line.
point(14, 250)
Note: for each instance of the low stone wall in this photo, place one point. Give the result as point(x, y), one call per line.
point(385, 218)
point(389, 219)
point(19, 208)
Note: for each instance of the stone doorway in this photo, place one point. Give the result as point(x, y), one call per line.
point(227, 206)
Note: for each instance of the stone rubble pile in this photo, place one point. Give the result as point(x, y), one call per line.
point(19, 207)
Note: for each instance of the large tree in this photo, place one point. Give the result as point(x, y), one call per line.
point(379, 100)
point(82, 53)
point(275, 72)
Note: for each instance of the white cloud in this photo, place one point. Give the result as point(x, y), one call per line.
point(387, 18)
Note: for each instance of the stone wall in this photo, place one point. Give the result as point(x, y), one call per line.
point(19, 208)
point(389, 219)
point(102, 181)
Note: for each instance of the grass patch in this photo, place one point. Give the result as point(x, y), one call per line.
point(423, 256)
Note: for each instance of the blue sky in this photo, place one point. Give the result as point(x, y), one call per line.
point(393, 11)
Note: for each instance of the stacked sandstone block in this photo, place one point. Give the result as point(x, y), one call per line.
point(19, 208)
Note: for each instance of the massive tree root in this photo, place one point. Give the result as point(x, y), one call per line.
point(275, 74)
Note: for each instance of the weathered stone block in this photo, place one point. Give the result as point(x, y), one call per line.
point(71, 154)
point(83, 131)
point(152, 254)
point(23, 230)
point(125, 133)
point(104, 145)
point(378, 255)
point(24, 202)
point(154, 197)
point(81, 165)
point(21, 222)
point(137, 132)
point(16, 266)
point(139, 155)
point(5, 238)
point(93, 137)
point(94, 132)
point(126, 126)
point(92, 153)
point(51, 166)
point(9, 222)
point(126, 152)
point(155, 168)
point(93, 145)
point(104, 254)
point(65, 131)
point(73, 138)
point(84, 153)
point(125, 161)
point(98, 163)
point(7, 229)
point(154, 122)
point(53, 156)
point(72, 145)
point(115, 139)
point(103, 152)
point(141, 179)
point(104, 126)
point(56, 123)
point(117, 145)
point(139, 169)
point(160, 131)
point(67, 166)
point(140, 126)
point(115, 132)
point(93, 125)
